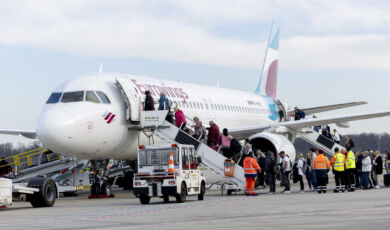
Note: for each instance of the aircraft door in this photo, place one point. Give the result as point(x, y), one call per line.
point(281, 110)
point(131, 98)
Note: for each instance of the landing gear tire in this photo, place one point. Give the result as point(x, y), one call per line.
point(181, 197)
point(230, 192)
point(106, 189)
point(95, 189)
point(47, 194)
point(202, 191)
point(144, 199)
point(166, 199)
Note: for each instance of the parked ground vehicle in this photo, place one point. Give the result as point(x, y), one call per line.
point(168, 170)
point(39, 191)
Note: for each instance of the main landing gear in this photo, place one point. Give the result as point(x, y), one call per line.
point(101, 188)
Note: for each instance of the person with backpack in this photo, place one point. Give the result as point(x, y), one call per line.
point(225, 143)
point(301, 166)
point(307, 172)
point(269, 169)
point(286, 170)
point(235, 148)
point(377, 168)
point(260, 157)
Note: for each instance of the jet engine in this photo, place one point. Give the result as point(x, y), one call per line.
point(274, 143)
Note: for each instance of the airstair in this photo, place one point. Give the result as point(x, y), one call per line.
point(319, 141)
point(210, 158)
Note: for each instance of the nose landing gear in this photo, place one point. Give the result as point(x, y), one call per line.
point(101, 188)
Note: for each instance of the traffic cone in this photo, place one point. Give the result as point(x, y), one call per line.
point(171, 166)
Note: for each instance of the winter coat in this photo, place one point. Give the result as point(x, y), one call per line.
point(214, 135)
point(163, 103)
point(149, 103)
point(180, 118)
point(366, 164)
point(301, 163)
point(378, 169)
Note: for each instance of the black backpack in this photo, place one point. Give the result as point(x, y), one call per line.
point(295, 173)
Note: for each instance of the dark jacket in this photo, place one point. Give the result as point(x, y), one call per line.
point(359, 164)
point(379, 167)
point(149, 103)
point(269, 166)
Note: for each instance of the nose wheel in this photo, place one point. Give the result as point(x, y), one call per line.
point(101, 188)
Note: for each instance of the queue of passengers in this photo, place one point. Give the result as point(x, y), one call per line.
point(352, 171)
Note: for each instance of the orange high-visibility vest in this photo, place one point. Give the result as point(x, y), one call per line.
point(321, 162)
point(251, 166)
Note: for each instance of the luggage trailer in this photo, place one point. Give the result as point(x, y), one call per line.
point(39, 191)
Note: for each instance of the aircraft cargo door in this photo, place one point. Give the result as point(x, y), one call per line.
point(130, 96)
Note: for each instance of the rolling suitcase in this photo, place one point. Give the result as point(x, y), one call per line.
point(386, 177)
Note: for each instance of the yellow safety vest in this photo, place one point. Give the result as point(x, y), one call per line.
point(339, 163)
point(351, 163)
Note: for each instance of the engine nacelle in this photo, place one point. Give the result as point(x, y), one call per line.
point(274, 143)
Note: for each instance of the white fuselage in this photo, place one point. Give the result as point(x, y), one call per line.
point(88, 130)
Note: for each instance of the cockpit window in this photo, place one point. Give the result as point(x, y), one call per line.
point(73, 96)
point(103, 97)
point(54, 98)
point(91, 96)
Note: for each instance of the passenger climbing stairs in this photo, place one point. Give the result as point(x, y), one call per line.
point(319, 141)
point(209, 157)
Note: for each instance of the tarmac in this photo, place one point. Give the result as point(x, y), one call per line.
point(362, 209)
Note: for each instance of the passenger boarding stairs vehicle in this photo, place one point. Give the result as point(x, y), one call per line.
point(168, 170)
point(154, 123)
point(320, 141)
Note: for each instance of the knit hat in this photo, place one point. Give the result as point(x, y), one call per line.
point(320, 151)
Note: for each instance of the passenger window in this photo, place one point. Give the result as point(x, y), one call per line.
point(73, 96)
point(54, 98)
point(103, 97)
point(91, 96)
point(201, 106)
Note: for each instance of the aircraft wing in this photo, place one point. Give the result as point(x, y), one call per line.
point(326, 108)
point(243, 132)
point(26, 133)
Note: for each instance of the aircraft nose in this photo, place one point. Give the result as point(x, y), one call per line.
point(55, 129)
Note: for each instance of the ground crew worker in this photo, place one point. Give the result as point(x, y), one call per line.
point(338, 162)
point(250, 169)
point(321, 165)
point(350, 166)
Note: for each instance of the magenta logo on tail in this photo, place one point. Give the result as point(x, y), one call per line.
point(272, 80)
point(109, 117)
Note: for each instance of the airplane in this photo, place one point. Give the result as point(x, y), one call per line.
point(87, 117)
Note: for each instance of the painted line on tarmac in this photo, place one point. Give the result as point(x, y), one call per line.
point(236, 219)
point(122, 212)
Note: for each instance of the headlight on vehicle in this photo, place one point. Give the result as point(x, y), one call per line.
point(172, 182)
point(140, 183)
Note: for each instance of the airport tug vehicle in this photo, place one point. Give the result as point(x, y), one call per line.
point(168, 170)
point(39, 191)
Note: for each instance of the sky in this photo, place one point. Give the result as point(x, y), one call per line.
point(331, 51)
